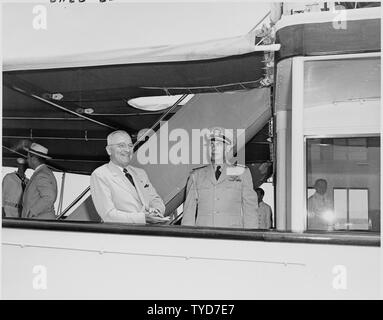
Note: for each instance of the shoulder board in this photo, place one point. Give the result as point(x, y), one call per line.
point(240, 165)
point(235, 170)
point(194, 169)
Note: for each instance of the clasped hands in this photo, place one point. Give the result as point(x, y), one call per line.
point(153, 215)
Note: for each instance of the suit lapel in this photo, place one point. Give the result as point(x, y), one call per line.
point(32, 179)
point(121, 180)
point(27, 187)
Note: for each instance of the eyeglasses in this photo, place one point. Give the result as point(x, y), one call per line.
point(217, 143)
point(122, 145)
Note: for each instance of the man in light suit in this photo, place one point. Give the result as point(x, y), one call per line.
point(41, 191)
point(220, 194)
point(123, 193)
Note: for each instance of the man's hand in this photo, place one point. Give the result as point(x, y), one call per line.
point(155, 212)
point(155, 218)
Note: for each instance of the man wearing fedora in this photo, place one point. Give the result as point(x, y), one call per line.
point(41, 191)
point(13, 187)
point(220, 194)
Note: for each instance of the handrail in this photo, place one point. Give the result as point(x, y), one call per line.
point(176, 219)
point(334, 238)
point(59, 208)
point(75, 201)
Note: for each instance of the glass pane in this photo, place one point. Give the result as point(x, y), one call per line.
point(345, 174)
point(358, 204)
point(310, 192)
point(327, 81)
point(340, 207)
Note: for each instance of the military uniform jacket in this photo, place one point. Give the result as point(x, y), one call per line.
point(229, 202)
point(13, 194)
point(117, 200)
point(40, 195)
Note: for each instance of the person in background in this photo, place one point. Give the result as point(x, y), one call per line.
point(265, 214)
point(41, 191)
point(220, 194)
point(13, 185)
point(121, 192)
point(319, 207)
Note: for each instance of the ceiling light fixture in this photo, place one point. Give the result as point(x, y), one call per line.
point(85, 110)
point(88, 111)
point(157, 103)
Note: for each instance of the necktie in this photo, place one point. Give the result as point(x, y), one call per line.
point(129, 176)
point(217, 172)
point(23, 184)
point(23, 181)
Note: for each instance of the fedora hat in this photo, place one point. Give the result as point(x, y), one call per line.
point(38, 150)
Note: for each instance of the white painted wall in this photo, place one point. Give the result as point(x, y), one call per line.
point(110, 266)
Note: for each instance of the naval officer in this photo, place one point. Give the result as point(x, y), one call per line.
point(220, 194)
point(13, 188)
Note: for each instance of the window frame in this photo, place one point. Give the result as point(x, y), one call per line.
point(299, 138)
point(340, 136)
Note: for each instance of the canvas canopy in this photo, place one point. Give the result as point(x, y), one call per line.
point(103, 81)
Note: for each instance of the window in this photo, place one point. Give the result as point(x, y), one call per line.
point(343, 183)
point(351, 209)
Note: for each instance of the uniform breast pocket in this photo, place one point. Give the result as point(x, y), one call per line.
point(233, 186)
point(233, 183)
point(201, 190)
